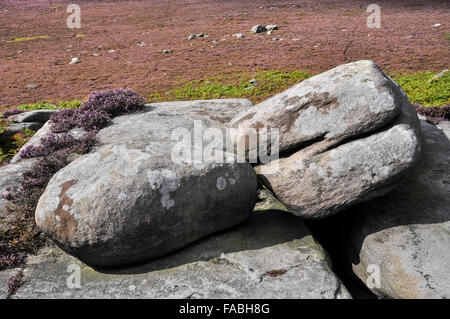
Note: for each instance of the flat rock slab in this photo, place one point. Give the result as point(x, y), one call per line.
point(219, 110)
point(247, 261)
point(407, 232)
point(40, 116)
point(5, 275)
point(15, 128)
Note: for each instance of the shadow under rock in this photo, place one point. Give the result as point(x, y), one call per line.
point(262, 229)
point(423, 197)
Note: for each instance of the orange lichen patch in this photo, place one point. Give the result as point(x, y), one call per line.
point(276, 272)
point(66, 226)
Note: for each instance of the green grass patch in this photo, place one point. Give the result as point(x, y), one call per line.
point(423, 91)
point(29, 38)
point(417, 86)
point(447, 37)
point(10, 145)
point(232, 86)
point(45, 105)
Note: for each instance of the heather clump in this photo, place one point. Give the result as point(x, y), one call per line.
point(64, 141)
point(20, 235)
point(434, 114)
point(97, 110)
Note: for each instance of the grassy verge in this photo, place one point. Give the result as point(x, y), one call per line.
point(237, 85)
point(417, 85)
point(423, 90)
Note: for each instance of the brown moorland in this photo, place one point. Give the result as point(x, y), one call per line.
point(328, 33)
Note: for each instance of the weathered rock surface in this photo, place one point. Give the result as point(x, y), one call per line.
point(128, 201)
point(346, 136)
point(220, 110)
point(246, 261)
point(4, 277)
point(18, 127)
point(407, 232)
point(345, 102)
point(40, 116)
point(10, 175)
point(315, 186)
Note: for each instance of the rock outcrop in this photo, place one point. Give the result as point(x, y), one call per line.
point(271, 255)
point(346, 136)
point(129, 200)
point(407, 232)
point(39, 116)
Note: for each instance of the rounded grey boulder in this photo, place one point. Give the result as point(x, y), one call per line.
point(129, 201)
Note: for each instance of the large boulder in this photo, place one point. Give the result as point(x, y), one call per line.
point(315, 186)
point(342, 103)
point(346, 136)
point(246, 261)
point(407, 232)
point(129, 200)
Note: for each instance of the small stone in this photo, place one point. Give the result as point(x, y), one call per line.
point(295, 39)
point(253, 81)
point(166, 51)
point(438, 76)
point(111, 51)
point(437, 25)
point(142, 44)
point(95, 54)
point(192, 37)
point(75, 60)
point(271, 27)
point(32, 86)
point(200, 35)
point(238, 35)
point(258, 29)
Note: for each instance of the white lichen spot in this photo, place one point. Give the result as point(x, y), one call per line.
point(221, 183)
point(58, 219)
point(122, 196)
point(232, 181)
point(66, 207)
point(74, 213)
point(166, 181)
